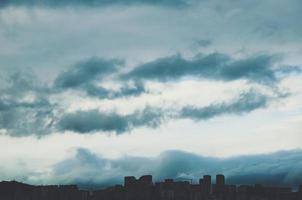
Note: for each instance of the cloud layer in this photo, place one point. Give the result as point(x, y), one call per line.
point(246, 102)
point(83, 73)
point(93, 120)
point(213, 66)
point(25, 95)
point(24, 106)
point(89, 169)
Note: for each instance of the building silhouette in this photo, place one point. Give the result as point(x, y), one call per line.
point(145, 189)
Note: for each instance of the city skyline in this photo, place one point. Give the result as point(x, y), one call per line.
point(144, 188)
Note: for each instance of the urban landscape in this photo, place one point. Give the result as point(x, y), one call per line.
point(144, 189)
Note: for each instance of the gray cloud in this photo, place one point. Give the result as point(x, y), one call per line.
point(215, 66)
point(93, 120)
point(24, 106)
point(40, 118)
point(126, 90)
point(90, 3)
point(86, 75)
point(86, 72)
point(281, 168)
point(246, 102)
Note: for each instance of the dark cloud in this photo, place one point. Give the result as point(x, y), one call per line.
point(281, 168)
point(215, 66)
point(94, 120)
point(246, 102)
point(127, 90)
point(89, 3)
point(86, 72)
point(86, 75)
point(24, 106)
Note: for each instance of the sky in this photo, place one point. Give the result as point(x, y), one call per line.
point(91, 91)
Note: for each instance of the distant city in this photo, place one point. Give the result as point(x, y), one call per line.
point(145, 189)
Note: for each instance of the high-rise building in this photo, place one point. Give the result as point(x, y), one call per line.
point(207, 184)
point(129, 181)
point(219, 187)
point(200, 181)
point(145, 180)
point(220, 180)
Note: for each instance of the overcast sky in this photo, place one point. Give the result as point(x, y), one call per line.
point(94, 90)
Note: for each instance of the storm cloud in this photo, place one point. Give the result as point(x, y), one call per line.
point(87, 76)
point(215, 66)
point(87, 168)
point(25, 95)
point(129, 89)
point(24, 106)
point(94, 120)
point(26, 109)
point(86, 72)
point(246, 102)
